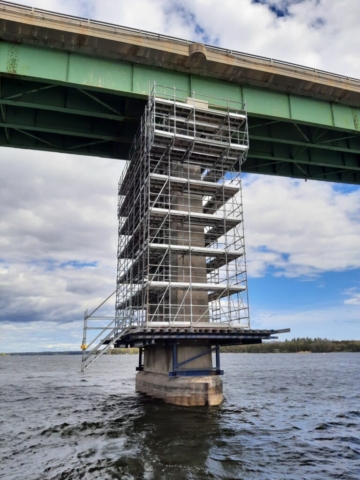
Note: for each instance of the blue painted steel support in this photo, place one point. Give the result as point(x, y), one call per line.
point(140, 368)
point(174, 352)
point(195, 372)
point(217, 356)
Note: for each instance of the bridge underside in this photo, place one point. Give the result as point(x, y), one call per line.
point(77, 120)
point(75, 103)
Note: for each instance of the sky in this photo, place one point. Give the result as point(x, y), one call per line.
point(58, 224)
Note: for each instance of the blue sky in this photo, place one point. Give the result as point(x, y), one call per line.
point(58, 213)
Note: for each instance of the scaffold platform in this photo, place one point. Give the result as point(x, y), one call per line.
point(222, 336)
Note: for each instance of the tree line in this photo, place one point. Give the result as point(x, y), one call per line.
point(313, 345)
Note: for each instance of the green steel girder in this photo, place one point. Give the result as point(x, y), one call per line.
point(277, 167)
point(66, 102)
point(65, 131)
point(305, 136)
point(86, 127)
point(289, 153)
point(18, 138)
point(58, 98)
point(118, 77)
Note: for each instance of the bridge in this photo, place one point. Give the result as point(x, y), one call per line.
point(74, 85)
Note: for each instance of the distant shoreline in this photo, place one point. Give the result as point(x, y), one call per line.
point(296, 345)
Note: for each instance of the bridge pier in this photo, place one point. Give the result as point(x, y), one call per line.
point(181, 255)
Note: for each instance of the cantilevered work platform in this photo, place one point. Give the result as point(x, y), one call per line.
point(180, 333)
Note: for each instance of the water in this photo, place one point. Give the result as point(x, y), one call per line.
point(284, 417)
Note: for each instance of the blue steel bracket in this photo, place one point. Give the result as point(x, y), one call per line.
point(195, 373)
point(176, 372)
point(140, 367)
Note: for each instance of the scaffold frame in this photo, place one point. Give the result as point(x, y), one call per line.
point(181, 250)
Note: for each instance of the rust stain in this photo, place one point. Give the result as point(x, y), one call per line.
point(356, 121)
point(12, 60)
point(81, 40)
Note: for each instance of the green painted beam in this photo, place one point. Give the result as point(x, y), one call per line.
point(305, 137)
point(272, 166)
point(68, 68)
point(305, 157)
point(65, 131)
point(62, 124)
point(31, 140)
point(53, 108)
point(56, 98)
point(290, 141)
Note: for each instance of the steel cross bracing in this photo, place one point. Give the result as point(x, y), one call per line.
point(181, 254)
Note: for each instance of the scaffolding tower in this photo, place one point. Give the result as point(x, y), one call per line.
point(181, 251)
point(181, 275)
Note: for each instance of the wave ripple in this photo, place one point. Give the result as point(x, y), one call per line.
point(284, 416)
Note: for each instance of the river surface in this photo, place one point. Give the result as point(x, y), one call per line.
point(284, 417)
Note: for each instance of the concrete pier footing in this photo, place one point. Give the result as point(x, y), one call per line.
point(155, 381)
point(186, 391)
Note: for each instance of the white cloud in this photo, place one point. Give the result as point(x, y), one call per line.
point(300, 228)
point(355, 300)
point(160, 16)
point(321, 34)
point(69, 7)
point(58, 234)
point(354, 296)
point(55, 206)
point(335, 322)
point(40, 336)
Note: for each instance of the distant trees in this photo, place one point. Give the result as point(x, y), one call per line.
point(123, 351)
point(314, 345)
